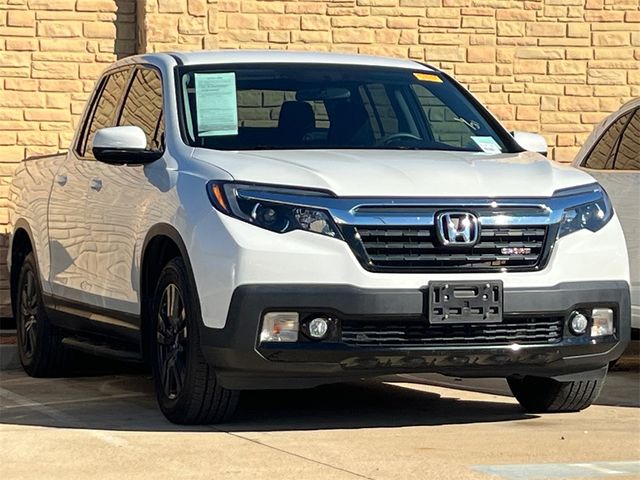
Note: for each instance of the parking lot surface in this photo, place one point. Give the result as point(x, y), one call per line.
point(103, 423)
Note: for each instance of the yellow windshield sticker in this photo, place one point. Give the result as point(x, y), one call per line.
point(427, 77)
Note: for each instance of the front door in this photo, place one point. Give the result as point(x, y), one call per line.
point(119, 196)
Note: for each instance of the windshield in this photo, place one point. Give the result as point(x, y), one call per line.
point(331, 107)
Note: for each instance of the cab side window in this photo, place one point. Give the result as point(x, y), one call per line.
point(602, 155)
point(105, 110)
point(628, 156)
point(143, 107)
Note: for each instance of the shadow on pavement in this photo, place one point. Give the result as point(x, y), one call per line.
point(621, 389)
point(364, 405)
point(121, 398)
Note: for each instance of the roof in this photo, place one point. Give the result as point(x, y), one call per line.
point(630, 105)
point(284, 56)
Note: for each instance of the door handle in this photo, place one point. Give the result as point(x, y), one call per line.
point(96, 184)
point(61, 180)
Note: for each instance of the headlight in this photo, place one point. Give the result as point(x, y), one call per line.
point(591, 216)
point(272, 215)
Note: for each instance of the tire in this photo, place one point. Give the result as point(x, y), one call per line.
point(40, 346)
point(546, 395)
point(187, 389)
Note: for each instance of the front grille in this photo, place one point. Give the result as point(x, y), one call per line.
point(415, 248)
point(543, 330)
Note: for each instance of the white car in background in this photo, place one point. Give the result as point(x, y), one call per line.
point(611, 155)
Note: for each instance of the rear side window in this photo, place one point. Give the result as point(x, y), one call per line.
point(143, 107)
point(628, 156)
point(105, 109)
point(602, 155)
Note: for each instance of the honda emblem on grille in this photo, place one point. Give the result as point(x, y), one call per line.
point(458, 229)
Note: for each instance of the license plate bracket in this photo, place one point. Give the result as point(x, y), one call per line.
point(465, 302)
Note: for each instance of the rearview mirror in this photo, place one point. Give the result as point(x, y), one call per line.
point(123, 145)
point(532, 142)
point(324, 94)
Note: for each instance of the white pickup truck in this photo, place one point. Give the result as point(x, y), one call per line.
point(254, 220)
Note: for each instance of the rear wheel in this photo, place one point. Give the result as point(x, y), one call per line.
point(39, 343)
point(541, 395)
point(186, 386)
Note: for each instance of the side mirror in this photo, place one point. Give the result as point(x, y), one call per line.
point(532, 142)
point(123, 145)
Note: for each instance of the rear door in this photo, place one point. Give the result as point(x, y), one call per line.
point(615, 163)
point(119, 196)
point(71, 261)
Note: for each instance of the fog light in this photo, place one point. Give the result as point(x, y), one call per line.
point(280, 327)
point(318, 328)
point(602, 322)
point(578, 323)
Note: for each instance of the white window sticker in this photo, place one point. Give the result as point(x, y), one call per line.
point(487, 144)
point(216, 104)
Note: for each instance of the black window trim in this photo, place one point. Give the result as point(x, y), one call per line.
point(584, 161)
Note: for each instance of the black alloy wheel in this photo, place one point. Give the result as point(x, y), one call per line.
point(28, 315)
point(39, 342)
point(187, 387)
point(172, 339)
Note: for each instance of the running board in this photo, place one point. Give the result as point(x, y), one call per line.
point(102, 349)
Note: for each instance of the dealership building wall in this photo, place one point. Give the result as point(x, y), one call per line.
point(551, 66)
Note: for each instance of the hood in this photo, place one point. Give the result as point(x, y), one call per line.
point(400, 173)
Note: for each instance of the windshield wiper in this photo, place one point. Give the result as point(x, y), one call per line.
point(472, 124)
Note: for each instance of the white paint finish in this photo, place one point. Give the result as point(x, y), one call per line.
point(115, 212)
point(288, 56)
point(532, 142)
point(29, 202)
point(70, 265)
point(401, 173)
point(235, 253)
point(126, 136)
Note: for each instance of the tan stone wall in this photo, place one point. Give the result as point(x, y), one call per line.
point(552, 66)
point(51, 52)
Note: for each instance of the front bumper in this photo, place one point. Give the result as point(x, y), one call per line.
point(241, 362)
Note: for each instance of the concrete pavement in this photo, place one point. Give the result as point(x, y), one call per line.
point(105, 424)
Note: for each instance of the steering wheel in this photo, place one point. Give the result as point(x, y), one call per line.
point(398, 136)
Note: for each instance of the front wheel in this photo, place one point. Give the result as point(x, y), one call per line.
point(542, 395)
point(186, 386)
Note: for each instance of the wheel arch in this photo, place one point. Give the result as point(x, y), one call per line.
point(162, 243)
point(20, 245)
